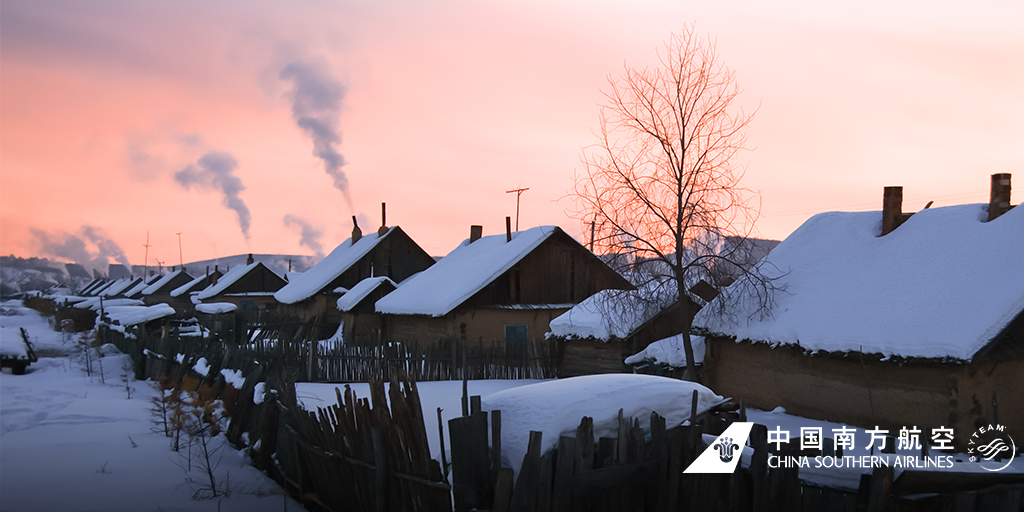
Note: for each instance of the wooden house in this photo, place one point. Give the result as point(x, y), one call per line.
point(360, 324)
point(181, 298)
point(250, 287)
point(889, 320)
point(387, 252)
point(159, 292)
point(501, 289)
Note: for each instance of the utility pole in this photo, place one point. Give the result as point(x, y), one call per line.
point(519, 191)
point(145, 265)
point(181, 260)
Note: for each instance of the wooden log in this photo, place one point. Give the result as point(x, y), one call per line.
point(495, 442)
point(759, 467)
point(524, 495)
point(879, 490)
point(622, 452)
point(440, 434)
point(584, 459)
point(607, 452)
point(502, 490)
point(562, 488)
point(380, 469)
point(544, 484)
point(471, 483)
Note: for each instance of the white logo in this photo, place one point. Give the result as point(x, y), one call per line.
point(724, 454)
point(989, 444)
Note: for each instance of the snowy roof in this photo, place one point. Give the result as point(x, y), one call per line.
point(133, 315)
point(303, 286)
point(188, 286)
point(942, 285)
point(140, 286)
point(463, 272)
point(669, 351)
point(612, 313)
point(160, 283)
point(216, 308)
point(227, 280)
point(119, 286)
point(361, 290)
point(94, 303)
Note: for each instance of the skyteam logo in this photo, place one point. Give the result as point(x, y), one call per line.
point(724, 454)
point(989, 446)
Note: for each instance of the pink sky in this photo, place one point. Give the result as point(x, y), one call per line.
point(449, 104)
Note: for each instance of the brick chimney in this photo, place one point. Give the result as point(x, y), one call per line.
point(249, 260)
point(999, 202)
point(383, 220)
point(216, 274)
point(356, 232)
point(892, 209)
point(475, 232)
point(508, 229)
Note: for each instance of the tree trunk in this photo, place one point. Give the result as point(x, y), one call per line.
point(684, 310)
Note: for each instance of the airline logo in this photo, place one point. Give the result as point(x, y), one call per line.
point(724, 454)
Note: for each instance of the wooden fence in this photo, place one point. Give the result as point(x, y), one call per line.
point(638, 471)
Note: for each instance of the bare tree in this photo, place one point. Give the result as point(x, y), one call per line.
point(661, 188)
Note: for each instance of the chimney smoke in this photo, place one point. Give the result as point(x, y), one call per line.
point(999, 199)
point(475, 232)
point(892, 209)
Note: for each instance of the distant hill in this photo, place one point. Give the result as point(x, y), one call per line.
point(276, 262)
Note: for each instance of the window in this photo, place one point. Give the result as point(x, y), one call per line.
point(515, 339)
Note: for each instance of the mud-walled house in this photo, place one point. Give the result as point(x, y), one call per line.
point(888, 319)
point(250, 287)
point(388, 252)
point(496, 290)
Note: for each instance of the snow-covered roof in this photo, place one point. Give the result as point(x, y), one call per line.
point(942, 285)
point(612, 313)
point(227, 280)
point(94, 303)
point(463, 272)
point(185, 288)
point(133, 315)
point(119, 286)
point(669, 351)
point(140, 286)
point(160, 283)
point(361, 290)
point(303, 286)
point(216, 308)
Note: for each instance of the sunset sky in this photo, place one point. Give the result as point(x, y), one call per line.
point(119, 117)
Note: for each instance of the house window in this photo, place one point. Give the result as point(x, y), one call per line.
point(515, 339)
point(248, 305)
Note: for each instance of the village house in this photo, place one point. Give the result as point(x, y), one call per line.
point(387, 252)
point(180, 298)
point(891, 320)
point(496, 290)
point(360, 323)
point(250, 287)
point(159, 291)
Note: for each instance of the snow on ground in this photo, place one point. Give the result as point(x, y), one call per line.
point(69, 442)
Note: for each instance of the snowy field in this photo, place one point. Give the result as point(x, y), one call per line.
point(69, 442)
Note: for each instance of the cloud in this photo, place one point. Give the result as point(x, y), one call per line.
point(310, 235)
point(90, 247)
point(316, 106)
point(215, 170)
